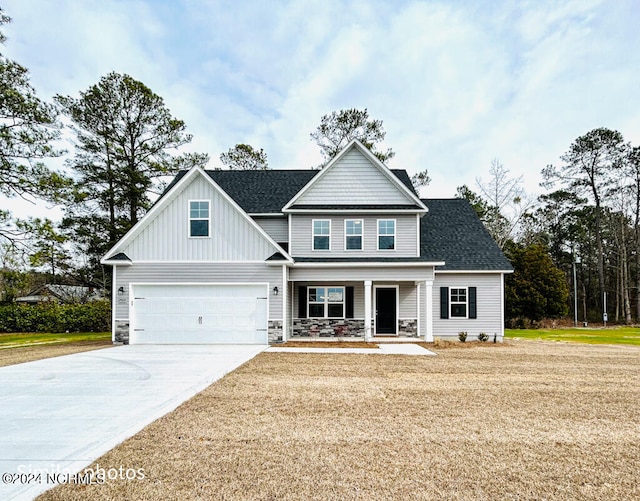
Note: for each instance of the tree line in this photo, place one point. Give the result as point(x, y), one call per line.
point(575, 248)
point(126, 144)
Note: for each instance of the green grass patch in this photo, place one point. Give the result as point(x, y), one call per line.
point(15, 340)
point(613, 335)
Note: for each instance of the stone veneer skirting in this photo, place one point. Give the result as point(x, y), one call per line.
point(275, 331)
point(327, 327)
point(408, 327)
point(122, 331)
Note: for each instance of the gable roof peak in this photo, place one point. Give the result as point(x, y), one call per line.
point(398, 186)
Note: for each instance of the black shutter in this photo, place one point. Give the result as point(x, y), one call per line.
point(472, 303)
point(302, 301)
point(348, 302)
point(444, 302)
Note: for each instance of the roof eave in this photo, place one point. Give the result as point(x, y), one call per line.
point(356, 211)
point(115, 262)
point(473, 271)
point(368, 264)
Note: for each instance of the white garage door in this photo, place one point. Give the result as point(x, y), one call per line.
point(199, 314)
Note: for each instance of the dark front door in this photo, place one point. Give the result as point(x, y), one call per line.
point(386, 321)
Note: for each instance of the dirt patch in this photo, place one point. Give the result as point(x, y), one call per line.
point(535, 421)
point(11, 356)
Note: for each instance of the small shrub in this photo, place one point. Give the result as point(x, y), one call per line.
point(462, 336)
point(483, 336)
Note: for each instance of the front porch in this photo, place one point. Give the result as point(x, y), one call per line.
point(364, 310)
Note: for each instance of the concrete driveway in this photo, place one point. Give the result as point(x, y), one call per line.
point(59, 415)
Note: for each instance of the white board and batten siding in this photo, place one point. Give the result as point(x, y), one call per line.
point(166, 237)
point(353, 179)
point(489, 309)
point(405, 245)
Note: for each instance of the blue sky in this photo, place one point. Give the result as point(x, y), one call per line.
point(456, 83)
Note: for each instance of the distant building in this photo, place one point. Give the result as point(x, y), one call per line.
point(67, 294)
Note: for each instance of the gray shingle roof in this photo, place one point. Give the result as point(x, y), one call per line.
point(268, 191)
point(262, 191)
point(452, 232)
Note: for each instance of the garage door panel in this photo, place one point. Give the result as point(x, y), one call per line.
point(199, 314)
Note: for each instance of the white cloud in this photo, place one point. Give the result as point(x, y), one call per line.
point(455, 83)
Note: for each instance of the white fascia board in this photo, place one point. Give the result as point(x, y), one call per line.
point(115, 262)
point(367, 153)
point(267, 214)
point(199, 261)
point(279, 262)
point(372, 264)
point(470, 272)
point(357, 211)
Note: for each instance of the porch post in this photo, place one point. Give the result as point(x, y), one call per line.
point(428, 293)
point(285, 298)
point(367, 310)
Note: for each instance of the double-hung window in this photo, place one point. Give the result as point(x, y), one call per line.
point(199, 218)
point(321, 234)
point(458, 302)
point(353, 234)
point(325, 302)
point(386, 234)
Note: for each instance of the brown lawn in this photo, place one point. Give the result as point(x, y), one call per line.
point(529, 420)
point(18, 355)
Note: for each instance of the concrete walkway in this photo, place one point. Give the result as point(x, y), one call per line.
point(382, 349)
point(60, 414)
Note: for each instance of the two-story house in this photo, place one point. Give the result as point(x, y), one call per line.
point(265, 256)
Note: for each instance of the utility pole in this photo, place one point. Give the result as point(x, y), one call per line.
point(576, 260)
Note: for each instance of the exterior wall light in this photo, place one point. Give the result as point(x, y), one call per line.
point(275, 291)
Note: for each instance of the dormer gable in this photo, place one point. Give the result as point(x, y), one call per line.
point(355, 180)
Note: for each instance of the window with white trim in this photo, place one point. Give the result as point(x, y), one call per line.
point(325, 302)
point(386, 234)
point(353, 234)
point(458, 300)
point(321, 234)
point(199, 218)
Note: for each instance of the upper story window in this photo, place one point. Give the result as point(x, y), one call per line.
point(325, 302)
point(353, 234)
point(321, 234)
point(199, 218)
point(458, 302)
point(386, 234)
